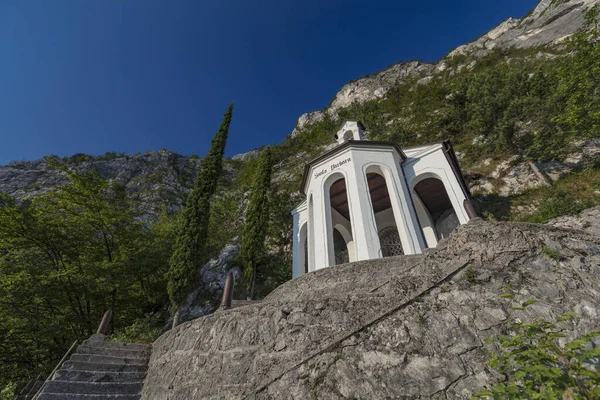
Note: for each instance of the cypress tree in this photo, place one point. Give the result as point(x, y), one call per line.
point(252, 248)
point(190, 245)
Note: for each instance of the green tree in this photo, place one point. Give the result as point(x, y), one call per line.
point(189, 252)
point(252, 250)
point(65, 257)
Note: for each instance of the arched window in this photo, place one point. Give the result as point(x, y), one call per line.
point(390, 242)
point(384, 214)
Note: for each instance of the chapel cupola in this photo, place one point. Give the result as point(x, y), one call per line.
point(350, 130)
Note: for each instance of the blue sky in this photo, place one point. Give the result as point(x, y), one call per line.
point(136, 75)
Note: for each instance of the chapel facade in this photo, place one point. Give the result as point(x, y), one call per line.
point(370, 199)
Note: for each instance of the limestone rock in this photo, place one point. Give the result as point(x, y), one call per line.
point(377, 85)
point(549, 23)
point(588, 221)
point(246, 156)
point(153, 179)
point(211, 280)
point(408, 326)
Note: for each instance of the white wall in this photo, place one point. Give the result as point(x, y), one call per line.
point(431, 162)
point(361, 232)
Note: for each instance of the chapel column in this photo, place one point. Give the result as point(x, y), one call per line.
point(319, 229)
point(296, 247)
point(404, 211)
point(362, 216)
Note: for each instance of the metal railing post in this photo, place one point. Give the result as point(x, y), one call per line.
point(470, 209)
point(227, 292)
point(105, 321)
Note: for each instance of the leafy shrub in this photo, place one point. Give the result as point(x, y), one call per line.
point(142, 330)
point(9, 391)
point(79, 158)
point(537, 366)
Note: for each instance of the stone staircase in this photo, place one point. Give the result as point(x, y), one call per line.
point(100, 370)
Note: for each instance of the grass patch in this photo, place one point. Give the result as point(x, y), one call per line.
point(470, 275)
point(569, 195)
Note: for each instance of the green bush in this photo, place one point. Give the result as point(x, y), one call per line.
point(142, 330)
point(537, 366)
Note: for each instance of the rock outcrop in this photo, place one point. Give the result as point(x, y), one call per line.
point(209, 284)
point(401, 327)
point(548, 24)
point(152, 179)
point(588, 221)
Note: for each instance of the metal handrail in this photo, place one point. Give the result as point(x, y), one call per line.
point(51, 376)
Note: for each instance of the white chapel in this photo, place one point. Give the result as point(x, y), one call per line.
point(369, 199)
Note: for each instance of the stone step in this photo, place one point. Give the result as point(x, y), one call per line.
point(99, 359)
point(113, 352)
point(99, 376)
point(115, 345)
point(99, 367)
point(79, 396)
point(103, 388)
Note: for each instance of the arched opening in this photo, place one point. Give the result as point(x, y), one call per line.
point(303, 250)
point(436, 213)
point(339, 228)
point(389, 239)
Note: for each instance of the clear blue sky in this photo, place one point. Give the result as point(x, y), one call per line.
point(93, 76)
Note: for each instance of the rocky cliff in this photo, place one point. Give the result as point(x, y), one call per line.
point(153, 179)
point(403, 327)
point(550, 23)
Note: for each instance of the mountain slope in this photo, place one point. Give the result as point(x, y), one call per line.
point(550, 23)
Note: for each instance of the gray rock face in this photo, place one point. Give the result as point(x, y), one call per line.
point(588, 221)
point(211, 282)
point(246, 156)
point(377, 85)
point(549, 23)
point(401, 327)
point(153, 178)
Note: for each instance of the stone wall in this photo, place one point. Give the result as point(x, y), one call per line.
point(403, 327)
